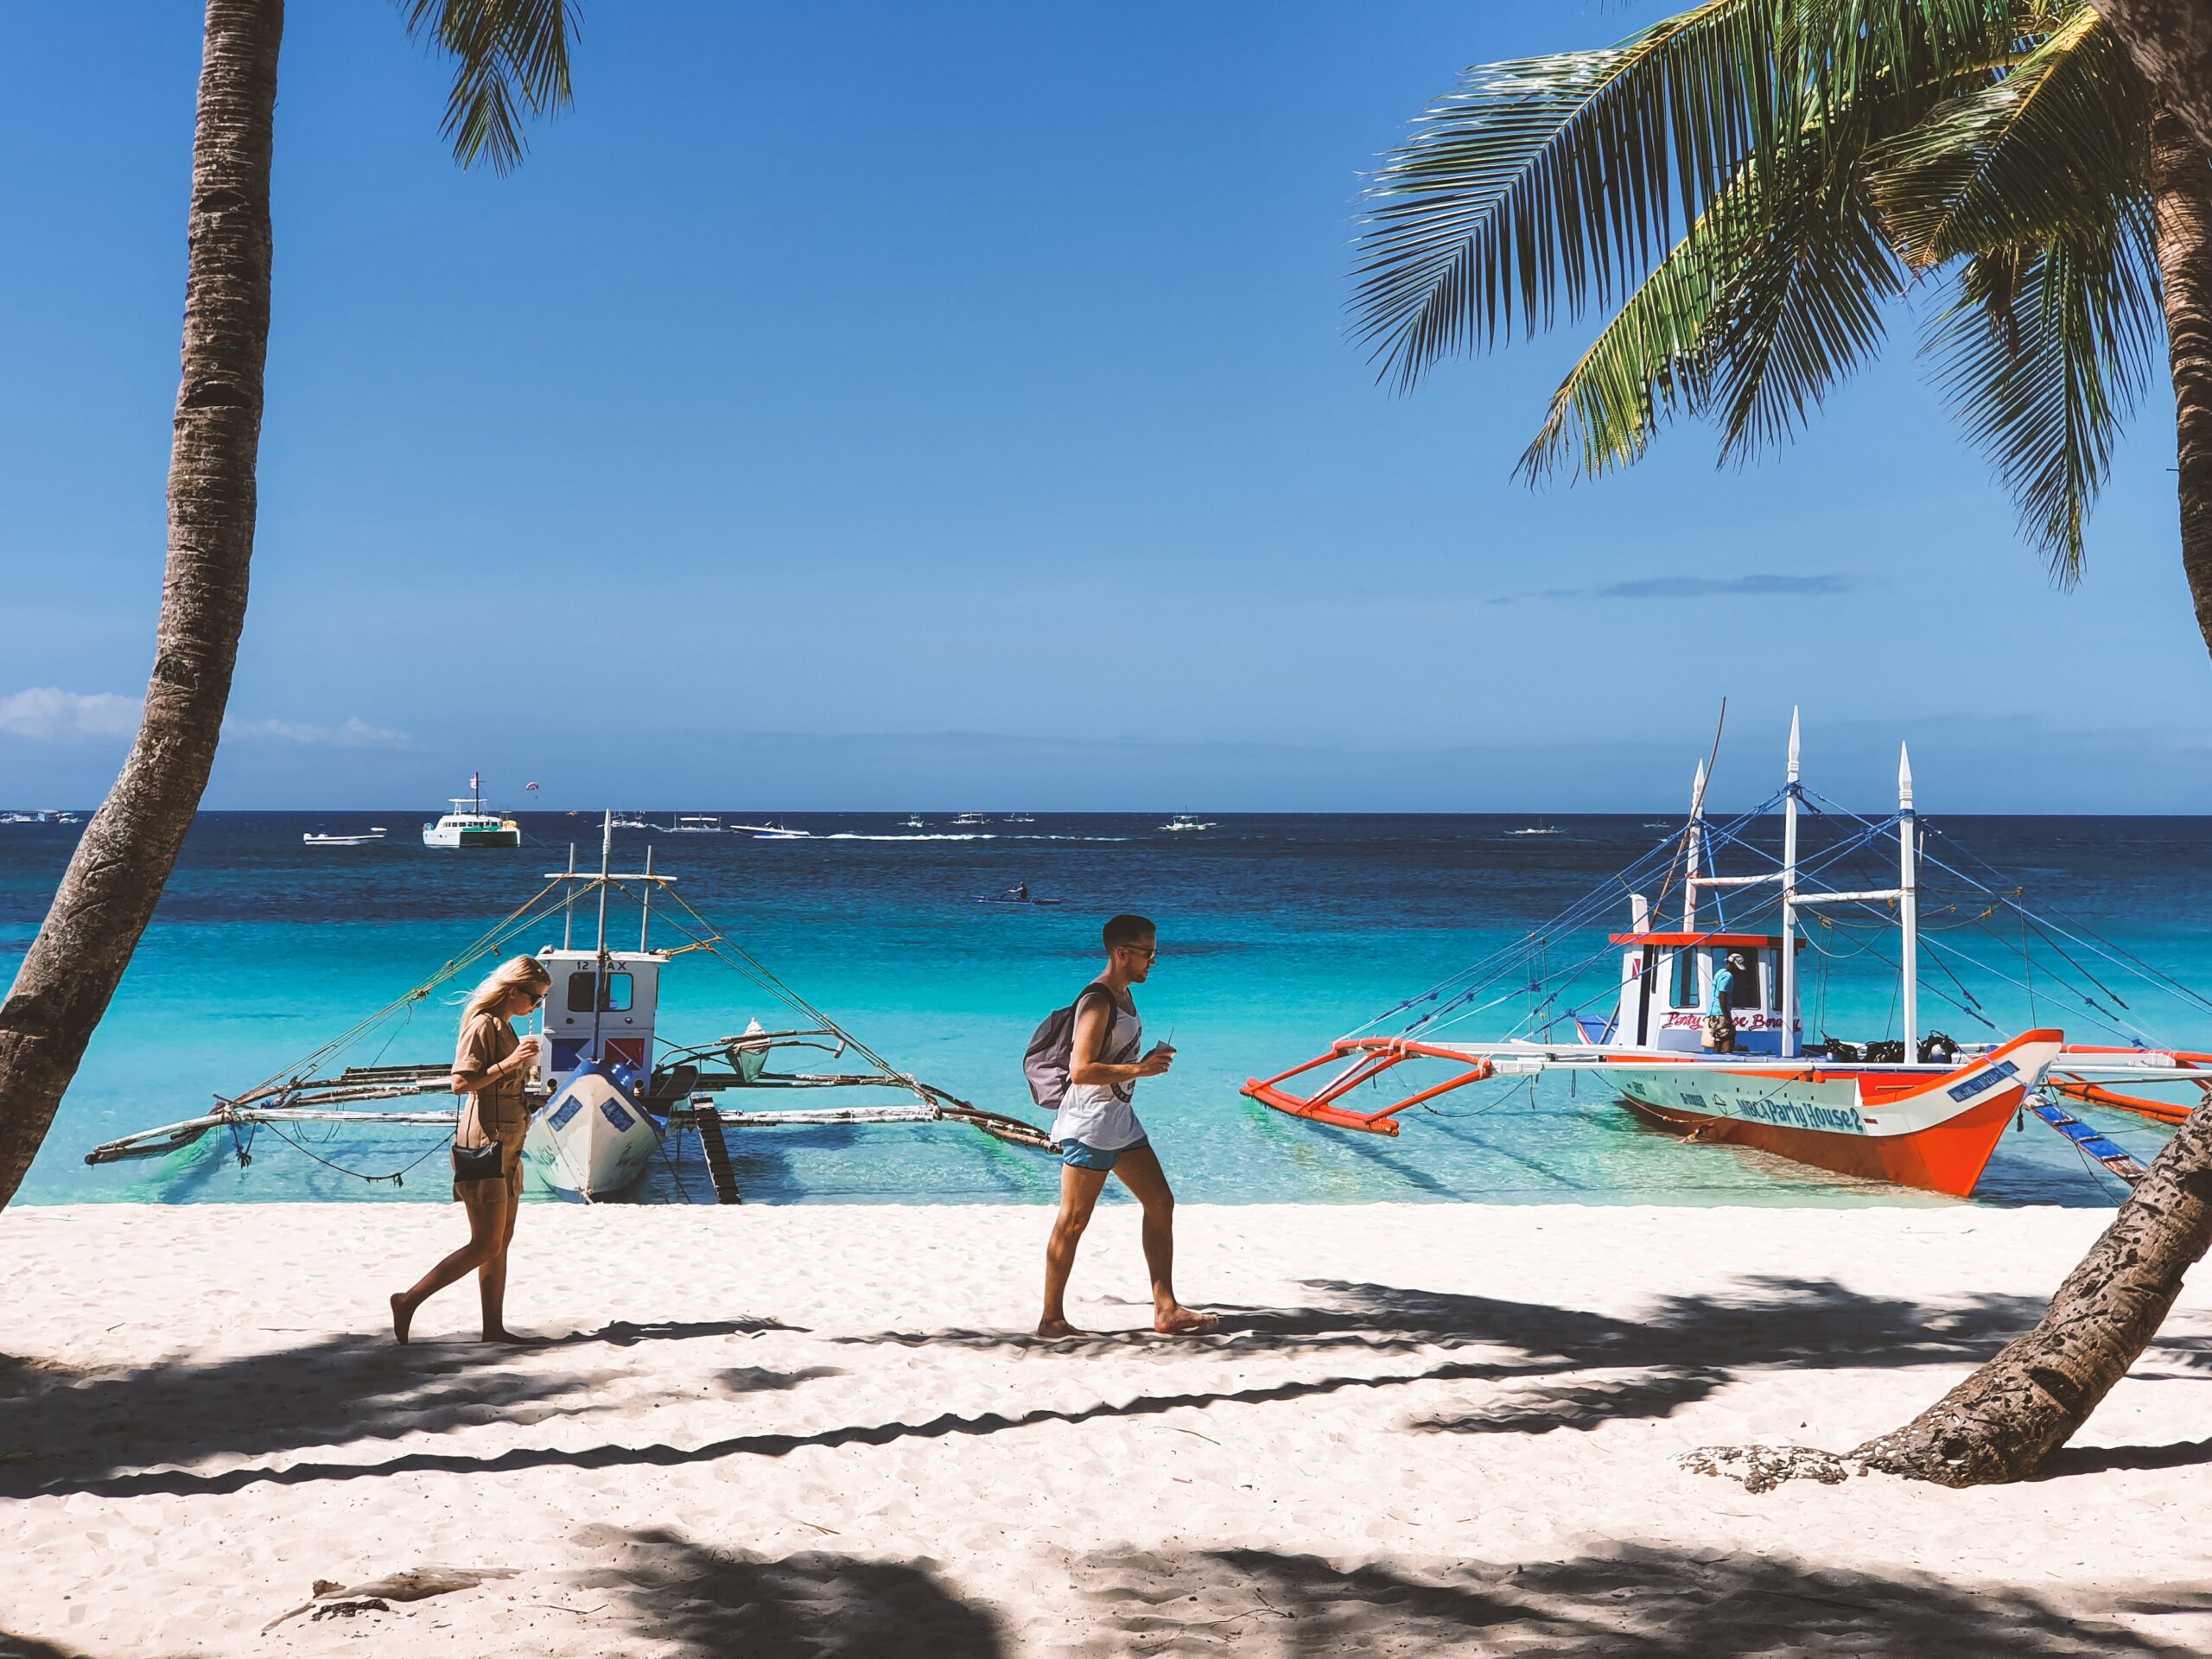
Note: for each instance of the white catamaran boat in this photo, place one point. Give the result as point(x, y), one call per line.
point(1921, 1110)
point(616, 1091)
point(469, 825)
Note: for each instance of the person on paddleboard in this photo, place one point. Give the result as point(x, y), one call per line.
point(1099, 1132)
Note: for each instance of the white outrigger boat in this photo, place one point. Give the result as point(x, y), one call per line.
point(613, 1089)
point(1930, 1117)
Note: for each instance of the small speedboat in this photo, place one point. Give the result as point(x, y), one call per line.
point(1183, 821)
point(971, 819)
point(316, 838)
point(770, 830)
point(912, 821)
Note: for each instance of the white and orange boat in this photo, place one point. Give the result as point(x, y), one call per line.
point(1930, 1118)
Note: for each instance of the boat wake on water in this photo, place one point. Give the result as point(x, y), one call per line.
point(612, 1092)
point(1695, 1024)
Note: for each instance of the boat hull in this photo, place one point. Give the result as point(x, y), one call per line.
point(591, 1140)
point(1929, 1126)
point(438, 835)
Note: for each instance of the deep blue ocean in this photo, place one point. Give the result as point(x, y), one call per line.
point(1277, 934)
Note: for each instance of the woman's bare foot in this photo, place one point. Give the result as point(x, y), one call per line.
point(514, 1338)
point(1181, 1321)
point(1051, 1328)
point(403, 1315)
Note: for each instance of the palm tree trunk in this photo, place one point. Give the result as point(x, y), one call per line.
point(2181, 188)
point(115, 876)
point(2004, 1420)
point(2171, 43)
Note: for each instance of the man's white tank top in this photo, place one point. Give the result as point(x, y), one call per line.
point(1100, 1114)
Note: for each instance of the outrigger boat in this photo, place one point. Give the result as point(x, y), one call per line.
point(1930, 1118)
point(613, 1089)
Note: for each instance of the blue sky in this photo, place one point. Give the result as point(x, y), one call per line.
point(888, 406)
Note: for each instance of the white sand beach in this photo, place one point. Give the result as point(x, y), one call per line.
point(825, 1431)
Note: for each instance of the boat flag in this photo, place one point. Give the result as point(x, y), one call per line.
point(472, 781)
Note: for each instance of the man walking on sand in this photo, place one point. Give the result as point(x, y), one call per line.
point(1099, 1135)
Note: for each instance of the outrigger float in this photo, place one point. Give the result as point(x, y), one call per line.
point(1928, 1119)
point(613, 1091)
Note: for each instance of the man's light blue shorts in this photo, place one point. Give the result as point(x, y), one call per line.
point(1076, 1155)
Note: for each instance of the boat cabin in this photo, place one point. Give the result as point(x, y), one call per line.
point(1667, 982)
point(618, 1030)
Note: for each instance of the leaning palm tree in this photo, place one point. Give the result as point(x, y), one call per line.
point(1821, 158)
point(511, 57)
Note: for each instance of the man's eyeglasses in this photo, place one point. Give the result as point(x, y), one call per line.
point(1149, 952)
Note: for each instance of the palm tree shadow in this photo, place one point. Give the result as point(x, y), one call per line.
point(689, 1601)
point(2105, 1459)
point(1638, 1602)
point(63, 1428)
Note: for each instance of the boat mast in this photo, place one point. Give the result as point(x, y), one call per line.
point(1694, 837)
point(646, 913)
point(569, 900)
point(1789, 897)
point(1908, 904)
point(598, 978)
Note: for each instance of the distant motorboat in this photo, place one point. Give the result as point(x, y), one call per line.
point(691, 824)
point(1020, 817)
point(631, 820)
point(912, 821)
point(771, 831)
point(1183, 821)
point(316, 838)
point(971, 818)
point(1535, 830)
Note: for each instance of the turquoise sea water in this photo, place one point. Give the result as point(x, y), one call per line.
point(1277, 932)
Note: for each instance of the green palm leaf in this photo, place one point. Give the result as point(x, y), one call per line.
point(1775, 294)
point(509, 56)
point(1544, 179)
point(2043, 353)
point(2039, 153)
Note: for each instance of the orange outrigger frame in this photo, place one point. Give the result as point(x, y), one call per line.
point(1378, 1055)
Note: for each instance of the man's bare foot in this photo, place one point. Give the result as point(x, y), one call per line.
point(514, 1338)
point(402, 1317)
point(1051, 1328)
point(1181, 1321)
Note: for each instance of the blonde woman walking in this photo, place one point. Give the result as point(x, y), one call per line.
point(490, 1068)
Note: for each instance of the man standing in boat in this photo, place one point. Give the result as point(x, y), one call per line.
point(1099, 1132)
point(1722, 1024)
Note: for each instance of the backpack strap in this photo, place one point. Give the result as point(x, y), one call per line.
point(1113, 1016)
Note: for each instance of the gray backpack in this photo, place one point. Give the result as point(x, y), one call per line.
point(1051, 1048)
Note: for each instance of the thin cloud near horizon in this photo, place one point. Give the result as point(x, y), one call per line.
point(1692, 585)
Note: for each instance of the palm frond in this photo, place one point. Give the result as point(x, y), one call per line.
point(1750, 320)
point(1807, 309)
point(510, 57)
point(1544, 182)
point(2038, 154)
point(1541, 187)
point(2042, 354)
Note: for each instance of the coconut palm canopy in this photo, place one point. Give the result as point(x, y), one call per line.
point(1745, 188)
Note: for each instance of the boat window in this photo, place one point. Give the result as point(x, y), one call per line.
point(580, 994)
point(1685, 992)
point(1748, 989)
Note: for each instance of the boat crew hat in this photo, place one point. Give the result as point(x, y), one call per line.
point(1737, 959)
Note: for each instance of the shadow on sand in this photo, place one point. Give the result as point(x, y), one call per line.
point(65, 1430)
point(1639, 1603)
point(689, 1601)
